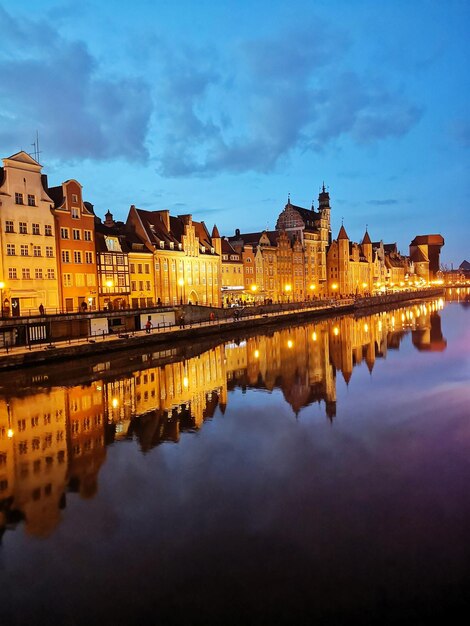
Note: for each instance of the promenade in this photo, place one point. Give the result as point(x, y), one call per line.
point(233, 320)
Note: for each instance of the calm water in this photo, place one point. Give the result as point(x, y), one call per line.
point(318, 473)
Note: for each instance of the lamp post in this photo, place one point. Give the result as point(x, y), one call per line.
point(254, 289)
point(2, 287)
point(181, 284)
point(287, 289)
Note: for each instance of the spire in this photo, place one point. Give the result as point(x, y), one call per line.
point(366, 238)
point(215, 232)
point(342, 233)
point(323, 187)
point(288, 198)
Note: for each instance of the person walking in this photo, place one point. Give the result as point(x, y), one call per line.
point(148, 325)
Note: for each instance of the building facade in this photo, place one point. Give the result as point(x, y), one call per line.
point(28, 258)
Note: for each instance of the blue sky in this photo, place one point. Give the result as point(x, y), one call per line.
point(220, 109)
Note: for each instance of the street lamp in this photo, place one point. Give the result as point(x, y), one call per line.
point(288, 289)
point(181, 284)
point(334, 287)
point(2, 287)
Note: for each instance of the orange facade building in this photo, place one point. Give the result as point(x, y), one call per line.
point(76, 256)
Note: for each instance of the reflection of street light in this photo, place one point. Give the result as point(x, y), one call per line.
point(256, 354)
point(115, 403)
point(290, 343)
point(2, 287)
point(314, 336)
point(335, 331)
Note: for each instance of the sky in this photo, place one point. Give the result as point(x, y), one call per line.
point(221, 109)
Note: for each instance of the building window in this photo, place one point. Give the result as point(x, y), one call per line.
point(147, 285)
point(26, 273)
point(121, 280)
point(24, 250)
point(31, 199)
point(65, 256)
point(18, 198)
point(48, 230)
point(74, 197)
point(88, 257)
point(23, 228)
point(87, 235)
point(49, 252)
point(76, 234)
point(80, 280)
point(133, 285)
point(11, 249)
point(36, 230)
point(9, 226)
point(67, 280)
point(37, 250)
point(77, 256)
point(38, 273)
point(12, 273)
point(120, 259)
point(91, 280)
point(75, 213)
point(132, 268)
point(139, 268)
point(108, 259)
point(64, 233)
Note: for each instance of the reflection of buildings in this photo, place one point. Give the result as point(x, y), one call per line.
point(54, 439)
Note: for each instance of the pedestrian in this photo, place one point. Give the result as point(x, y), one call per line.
point(148, 325)
point(41, 309)
point(182, 320)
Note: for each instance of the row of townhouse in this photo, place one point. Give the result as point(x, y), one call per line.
point(57, 255)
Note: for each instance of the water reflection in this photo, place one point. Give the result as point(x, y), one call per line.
point(53, 439)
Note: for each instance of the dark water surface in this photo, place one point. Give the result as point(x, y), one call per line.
point(316, 475)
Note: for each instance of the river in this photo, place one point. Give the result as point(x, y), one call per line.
point(318, 473)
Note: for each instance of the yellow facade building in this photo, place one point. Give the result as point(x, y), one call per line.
point(28, 260)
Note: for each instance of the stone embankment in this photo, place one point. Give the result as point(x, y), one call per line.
point(186, 323)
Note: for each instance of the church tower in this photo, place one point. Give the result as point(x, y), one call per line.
point(325, 212)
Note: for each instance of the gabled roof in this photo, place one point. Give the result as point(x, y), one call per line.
point(56, 194)
point(465, 265)
point(342, 233)
point(23, 157)
point(429, 240)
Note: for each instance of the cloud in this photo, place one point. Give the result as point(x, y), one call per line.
point(386, 202)
point(249, 109)
point(55, 86)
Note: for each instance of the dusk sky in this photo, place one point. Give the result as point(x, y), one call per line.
point(220, 109)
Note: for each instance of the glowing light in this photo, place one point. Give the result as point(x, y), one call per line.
point(180, 282)
point(334, 286)
point(2, 284)
point(402, 317)
point(10, 433)
point(335, 331)
point(256, 354)
point(185, 381)
point(364, 285)
point(115, 403)
point(312, 287)
point(366, 327)
point(380, 324)
point(441, 303)
point(314, 336)
point(253, 288)
point(109, 284)
point(288, 288)
point(290, 343)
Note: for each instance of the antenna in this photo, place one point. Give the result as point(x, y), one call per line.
point(36, 151)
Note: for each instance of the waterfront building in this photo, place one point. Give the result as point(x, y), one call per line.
point(28, 261)
point(233, 281)
point(187, 259)
point(425, 254)
point(313, 230)
point(112, 256)
point(141, 271)
point(75, 247)
point(350, 265)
